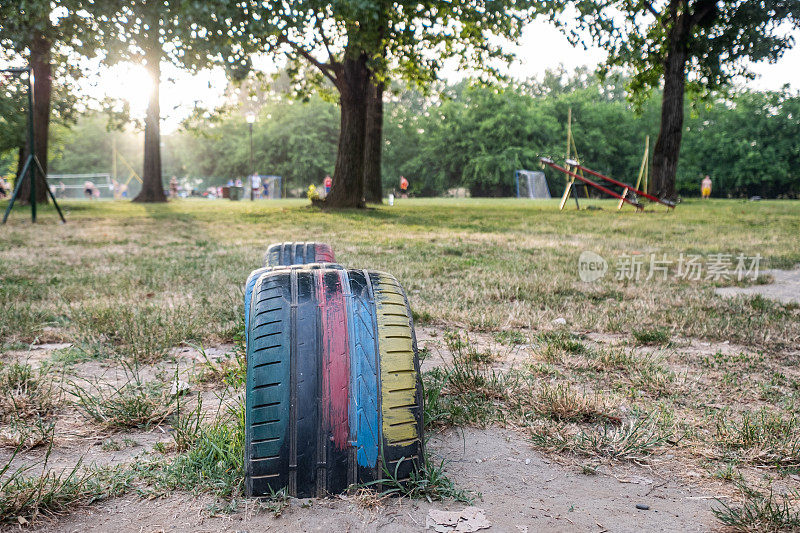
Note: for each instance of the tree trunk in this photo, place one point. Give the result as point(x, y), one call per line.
point(373, 144)
point(668, 146)
point(42, 94)
point(152, 188)
point(348, 174)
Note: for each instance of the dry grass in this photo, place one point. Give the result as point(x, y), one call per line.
point(760, 438)
point(368, 498)
point(26, 497)
point(560, 402)
point(129, 283)
point(135, 403)
point(181, 266)
point(29, 399)
point(634, 440)
point(26, 392)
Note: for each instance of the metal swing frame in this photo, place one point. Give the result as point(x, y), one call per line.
point(32, 164)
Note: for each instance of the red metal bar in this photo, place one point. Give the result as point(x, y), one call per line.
point(590, 182)
point(619, 183)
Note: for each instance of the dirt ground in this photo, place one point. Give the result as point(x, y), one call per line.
point(519, 489)
point(785, 287)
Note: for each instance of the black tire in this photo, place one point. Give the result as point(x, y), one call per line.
point(298, 253)
point(255, 274)
point(345, 382)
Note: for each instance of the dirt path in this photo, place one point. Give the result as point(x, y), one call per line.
point(785, 287)
point(520, 488)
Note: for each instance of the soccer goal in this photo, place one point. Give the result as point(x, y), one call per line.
point(74, 185)
point(531, 184)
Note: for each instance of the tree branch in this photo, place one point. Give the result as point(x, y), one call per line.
point(328, 70)
point(699, 15)
point(651, 9)
point(323, 37)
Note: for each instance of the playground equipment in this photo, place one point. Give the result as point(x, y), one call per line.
point(575, 170)
point(333, 393)
point(531, 184)
point(627, 189)
point(549, 162)
point(32, 164)
point(132, 174)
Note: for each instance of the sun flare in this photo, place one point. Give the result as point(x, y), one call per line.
point(128, 82)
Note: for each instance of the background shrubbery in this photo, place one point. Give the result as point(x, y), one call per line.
point(472, 137)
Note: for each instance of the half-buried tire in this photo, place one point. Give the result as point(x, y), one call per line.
point(333, 390)
point(298, 253)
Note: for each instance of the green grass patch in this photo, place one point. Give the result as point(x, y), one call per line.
point(25, 497)
point(135, 403)
point(760, 438)
point(760, 512)
point(651, 336)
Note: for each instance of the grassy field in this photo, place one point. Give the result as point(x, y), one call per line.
point(639, 369)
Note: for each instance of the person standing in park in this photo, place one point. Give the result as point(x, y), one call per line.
point(403, 187)
point(173, 187)
point(705, 187)
point(327, 183)
point(3, 187)
point(88, 189)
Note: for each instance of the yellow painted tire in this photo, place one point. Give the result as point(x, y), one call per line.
point(400, 382)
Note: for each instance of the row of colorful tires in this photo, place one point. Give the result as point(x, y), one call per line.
point(333, 395)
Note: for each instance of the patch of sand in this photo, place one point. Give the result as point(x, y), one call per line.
point(785, 287)
point(518, 487)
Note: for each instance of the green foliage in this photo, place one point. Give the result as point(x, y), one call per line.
point(475, 137)
point(397, 40)
point(748, 144)
point(61, 33)
point(480, 135)
point(294, 140)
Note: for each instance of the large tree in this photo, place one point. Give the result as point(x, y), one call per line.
point(353, 45)
point(693, 46)
point(48, 37)
point(150, 32)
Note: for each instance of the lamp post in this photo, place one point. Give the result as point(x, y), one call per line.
point(251, 118)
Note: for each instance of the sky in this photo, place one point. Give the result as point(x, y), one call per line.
point(541, 47)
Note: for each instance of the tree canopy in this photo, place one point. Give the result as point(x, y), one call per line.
point(48, 38)
point(345, 45)
point(694, 45)
point(476, 137)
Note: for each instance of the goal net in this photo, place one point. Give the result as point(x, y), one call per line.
point(267, 187)
point(531, 184)
point(76, 185)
